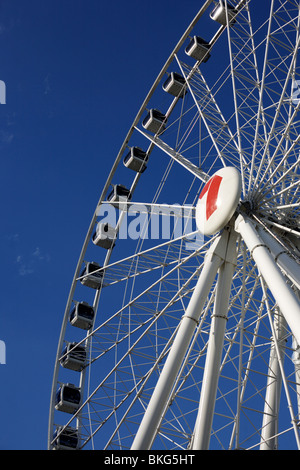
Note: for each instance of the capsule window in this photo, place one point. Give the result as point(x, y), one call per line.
point(82, 316)
point(68, 398)
point(91, 276)
point(155, 121)
point(219, 13)
point(66, 439)
point(118, 191)
point(104, 235)
point(198, 49)
point(175, 85)
point(73, 357)
point(136, 160)
point(118, 195)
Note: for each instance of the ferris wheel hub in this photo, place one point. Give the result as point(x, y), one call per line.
point(218, 200)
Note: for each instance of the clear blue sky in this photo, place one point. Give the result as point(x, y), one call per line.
point(76, 72)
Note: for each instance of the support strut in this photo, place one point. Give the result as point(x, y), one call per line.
point(269, 433)
point(161, 396)
point(204, 420)
point(281, 291)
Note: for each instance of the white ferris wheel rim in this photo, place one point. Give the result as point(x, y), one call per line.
point(263, 229)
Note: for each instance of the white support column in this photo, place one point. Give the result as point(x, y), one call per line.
point(282, 293)
point(204, 419)
point(282, 258)
point(296, 361)
point(161, 395)
point(269, 439)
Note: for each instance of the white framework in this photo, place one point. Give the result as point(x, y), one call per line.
point(198, 349)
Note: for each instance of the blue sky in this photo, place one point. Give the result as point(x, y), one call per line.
point(76, 72)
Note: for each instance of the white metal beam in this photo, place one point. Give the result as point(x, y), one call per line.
point(161, 395)
point(288, 264)
point(202, 433)
point(282, 293)
point(269, 440)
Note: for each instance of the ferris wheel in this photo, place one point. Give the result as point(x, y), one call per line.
point(182, 326)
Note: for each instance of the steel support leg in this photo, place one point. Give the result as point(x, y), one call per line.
point(296, 361)
point(290, 267)
point(282, 293)
point(269, 440)
point(203, 426)
point(161, 395)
